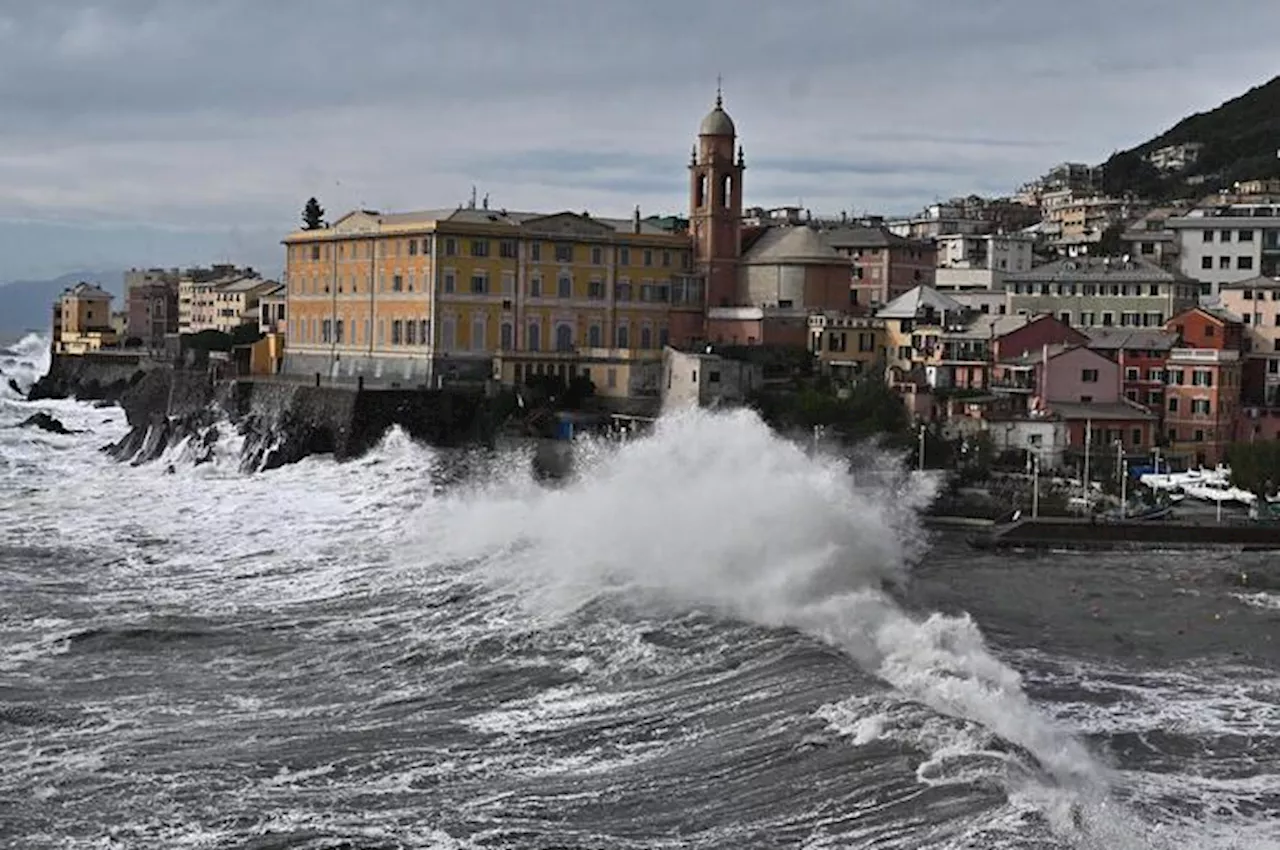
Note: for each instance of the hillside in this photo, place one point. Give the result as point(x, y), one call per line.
point(1241, 139)
point(24, 305)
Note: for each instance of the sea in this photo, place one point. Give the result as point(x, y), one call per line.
point(711, 637)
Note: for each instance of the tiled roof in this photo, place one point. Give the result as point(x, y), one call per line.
point(1097, 269)
point(87, 290)
point(513, 218)
point(1114, 339)
point(1114, 411)
point(911, 304)
point(860, 236)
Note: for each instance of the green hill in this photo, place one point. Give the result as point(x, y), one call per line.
point(1241, 139)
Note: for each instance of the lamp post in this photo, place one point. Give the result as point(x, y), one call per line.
point(1088, 442)
point(922, 447)
point(1035, 486)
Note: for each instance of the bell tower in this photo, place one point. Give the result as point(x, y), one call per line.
point(715, 205)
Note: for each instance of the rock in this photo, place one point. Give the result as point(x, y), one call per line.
point(13, 385)
point(45, 422)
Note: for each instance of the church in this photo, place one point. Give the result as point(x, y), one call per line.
point(473, 293)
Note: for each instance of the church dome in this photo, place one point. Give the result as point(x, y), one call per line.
point(717, 123)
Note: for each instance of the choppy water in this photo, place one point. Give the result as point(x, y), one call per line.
point(710, 641)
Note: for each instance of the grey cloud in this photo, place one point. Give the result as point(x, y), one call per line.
point(208, 116)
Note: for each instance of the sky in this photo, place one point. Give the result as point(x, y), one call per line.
point(181, 132)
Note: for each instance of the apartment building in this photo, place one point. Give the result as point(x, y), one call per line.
point(220, 304)
point(1228, 243)
point(1203, 384)
point(82, 320)
point(439, 292)
point(1102, 292)
point(884, 265)
point(1257, 303)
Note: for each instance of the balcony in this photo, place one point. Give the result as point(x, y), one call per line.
point(1203, 355)
point(1013, 385)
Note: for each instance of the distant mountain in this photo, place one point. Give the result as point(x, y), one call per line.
point(24, 304)
point(1241, 139)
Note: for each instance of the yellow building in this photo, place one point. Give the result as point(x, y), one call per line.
point(430, 296)
point(82, 320)
point(847, 346)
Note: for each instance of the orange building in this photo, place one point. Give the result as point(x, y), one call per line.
point(1202, 399)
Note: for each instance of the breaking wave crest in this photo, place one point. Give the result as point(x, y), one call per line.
point(714, 511)
point(23, 363)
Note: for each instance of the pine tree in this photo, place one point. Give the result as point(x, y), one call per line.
point(312, 215)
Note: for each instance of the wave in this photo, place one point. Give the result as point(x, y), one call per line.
point(23, 363)
point(715, 511)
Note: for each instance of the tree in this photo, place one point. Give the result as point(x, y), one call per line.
point(312, 215)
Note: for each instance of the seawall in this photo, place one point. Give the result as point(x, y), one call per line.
point(1064, 533)
point(92, 377)
point(285, 421)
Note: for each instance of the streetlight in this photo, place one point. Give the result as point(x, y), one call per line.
point(922, 447)
point(1035, 486)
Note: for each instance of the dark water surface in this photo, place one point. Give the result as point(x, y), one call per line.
point(335, 656)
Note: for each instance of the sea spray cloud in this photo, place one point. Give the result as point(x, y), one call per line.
point(713, 510)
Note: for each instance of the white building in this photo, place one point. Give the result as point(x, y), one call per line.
point(1228, 244)
point(705, 379)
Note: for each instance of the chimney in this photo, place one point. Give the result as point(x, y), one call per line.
point(635, 220)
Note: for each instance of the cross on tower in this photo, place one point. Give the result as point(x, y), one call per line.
point(720, 99)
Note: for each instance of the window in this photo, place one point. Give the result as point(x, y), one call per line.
point(480, 284)
point(337, 331)
point(410, 332)
point(448, 334)
point(1244, 236)
point(450, 281)
point(535, 252)
point(1199, 436)
point(397, 283)
point(478, 332)
point(624, 256)
point(622, 292)
point(450, 247)
point(1224, 236)
point(664, 337)
point(611, 378)
point(646, 337)
point(413, 247)
point(479, 247)
point(564, 286)
point(507, 336)
point(1155, 375)
point(315, 252)
point(1089, 376)
point(666, 259)
point(1131, 374)
point(507, 249)
point(1200, 406)
point(594, 336)
point(564, 337)
point(326, 331)
point(426, 247)
point(1206, 262)
point(1201, 378)
point(424, 331)
point(713, 377)
point(535, 287)
point(597, 255)
point(595, 289)
point(397, 332)
point(508, 283)
point(1244, 263)
point(624, 337)
point(1224, 262)
point(564, 253)
point(533, 339)
point(648, 256)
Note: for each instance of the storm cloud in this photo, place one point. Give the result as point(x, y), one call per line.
point(189, 131)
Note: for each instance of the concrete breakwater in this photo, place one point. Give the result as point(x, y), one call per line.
point(281, 421)
point(1065, 533)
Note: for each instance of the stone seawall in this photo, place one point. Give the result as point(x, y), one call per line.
point(282, 422)
point(92, 377)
